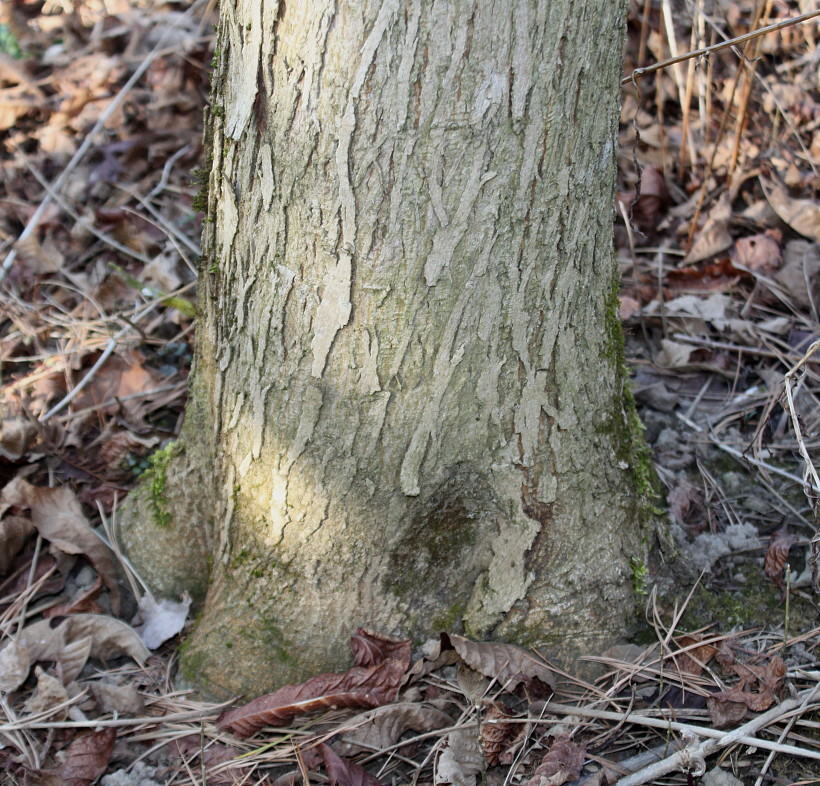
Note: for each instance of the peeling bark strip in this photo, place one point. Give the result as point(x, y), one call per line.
point(333, 312)
point(407, 325)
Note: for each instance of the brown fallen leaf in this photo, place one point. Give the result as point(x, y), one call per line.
point(69, 642)
point(802, 215)
point(342, 772)
point(776, 557)
point(461, 760)
point(507, 664)
point(497, 735)
point(714, 237)
point(731, 706)
point(14, 530)
point(117, 699)
point(87, 758)
point(49, 693)
point(758, 253)
point(382, 727)
point(361, 686)
point(562, 763)
point(17, 434)
point(57, 515)
point(84, 603)
point(695, 658)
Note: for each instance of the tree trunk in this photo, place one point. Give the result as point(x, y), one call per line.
point(409, 408)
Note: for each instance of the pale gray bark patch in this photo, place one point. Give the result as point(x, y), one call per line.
point(246, 36)
point(334, 309)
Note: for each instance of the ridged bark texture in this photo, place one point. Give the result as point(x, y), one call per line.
point(409, 387)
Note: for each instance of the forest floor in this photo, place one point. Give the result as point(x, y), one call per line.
point(719, 248)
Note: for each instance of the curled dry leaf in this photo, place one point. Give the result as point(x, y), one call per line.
point(13, 533)
point(161, 619)
point(87, 757)
point(69, 642)
point(342, 772)
point(361, 686)
point(461, 760)
point(561, 764)
point(17, 434)
point(57, 515)
point(48, 694)
point(384, 726)
point(498, 734)
point(776, 556)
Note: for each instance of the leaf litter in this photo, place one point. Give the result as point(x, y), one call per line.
point(721, 284)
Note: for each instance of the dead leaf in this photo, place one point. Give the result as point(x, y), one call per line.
point(647, 210)
point(776, 556)
point(48, 694)
point(341, 772)
point(718, 276)
point(17, 434)
point(507, 664)
point(714, 237)
point(59, 519)
point(361, 686)
point(695, 658)
point(562, 763)
point(758, 253)
point(730, 706)
point(384, 726)
point(86, 759)
point(370, 648)
point(84, 603)
point(15, 664)
point(117, 699)
point(162, 620)
point(802, 215)
point(70, 642)
point(14, 530)
point(460, 761)
point(800, 274)
point(497, 735)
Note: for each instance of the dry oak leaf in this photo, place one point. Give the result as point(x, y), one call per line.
point(384, 726)
point(362, 686)
point(341, 772)
point(561, 764)
point(460, 761)
point(759, 253)
point(57, 515)
point(87, 758)
point(69, 642)
point(730, 706)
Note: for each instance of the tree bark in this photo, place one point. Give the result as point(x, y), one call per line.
point(409, 408)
